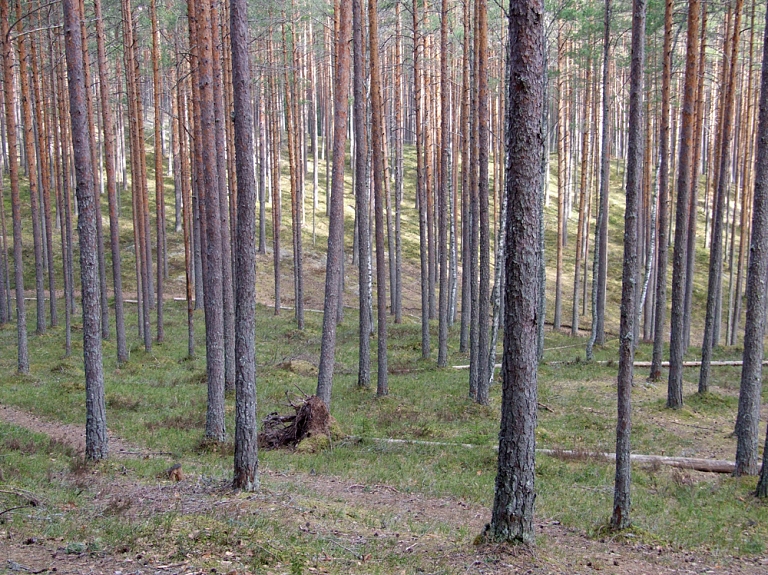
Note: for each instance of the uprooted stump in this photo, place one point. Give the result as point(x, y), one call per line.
point(308, 430)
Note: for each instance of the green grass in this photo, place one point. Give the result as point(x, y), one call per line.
point(157, 400)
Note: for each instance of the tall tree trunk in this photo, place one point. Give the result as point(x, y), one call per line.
point(466, 222)
point(418, 53)
point(621, 495)
point(362, 195)
point(716, 251)
point(377, 160)
point(95, 423)
point(748, 417)
point(662, 262)
point(227, 283)
point(583, 224)
point(109, 152)
point(397, 288)
point(333, 271)
point(694, 203)
point(22, 363)
point(562, 169)
point(246, 448)
point(31, 161)
point(96, 178)
point(214, 321)
point(43, 147)
point(442, 338)
point(186, 213)
point(159, 189)
point(512, 517)
point(601, 239)
point(684, 170)
point(485, 230)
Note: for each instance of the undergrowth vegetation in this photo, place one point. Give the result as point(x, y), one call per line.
point(157, 401)
point(444, 448)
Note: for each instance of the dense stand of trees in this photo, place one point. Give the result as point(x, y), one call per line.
point(219, 94)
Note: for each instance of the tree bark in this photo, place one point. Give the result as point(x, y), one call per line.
point(95, 425)
point(601, 240)
point(621, 497)
point(748, 416)
point(714, 287)
point(512, 518)
point(22, 362)
point(246, 445)
point(418, 53)
point(362, 195)
point(377, 160)
point(214, 321)
point(677, 343)
point(28, 127)
point(336, 223)
point(662, 262)
point(483, 136)
point(442, 338)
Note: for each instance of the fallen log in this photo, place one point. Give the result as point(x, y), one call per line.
point(720, 363)
point(695, 464)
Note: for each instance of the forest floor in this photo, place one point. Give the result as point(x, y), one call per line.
point(361, 528)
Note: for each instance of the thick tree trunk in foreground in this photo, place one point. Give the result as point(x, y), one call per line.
point(96, 424)
point(748, 417)
point(512, 518)
point(621, 494)
point(246, 447)
point(336, 224)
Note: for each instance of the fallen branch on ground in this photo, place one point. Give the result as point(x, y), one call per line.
point(695, 464)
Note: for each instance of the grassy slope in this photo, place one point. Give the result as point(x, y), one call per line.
point(158, 400)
